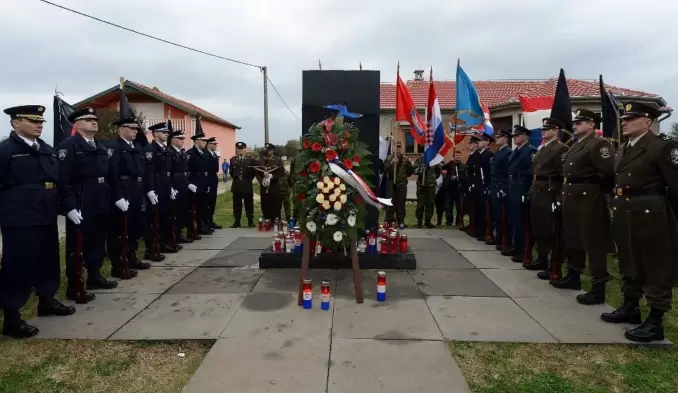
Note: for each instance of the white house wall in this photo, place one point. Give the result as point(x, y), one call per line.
point(150, 110)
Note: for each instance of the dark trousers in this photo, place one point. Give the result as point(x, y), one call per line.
point(212, 200)
point(135, 219)
point(182, 211)
point(157, 222)
point(499, 204)
point(93, 232)
point(285, 205)
point(576, 260)
point(452, 206)
point(517, 211)
point(201, 208)
point(440, 202)
point(398, 198)
point(270, 203)
point(658, 297)
point(238, 200)
point(480, 217)
point(30, 259)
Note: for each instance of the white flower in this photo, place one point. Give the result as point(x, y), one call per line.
point(333, 198)
point(331, 219)
point(337, 205)
point(342, 187)
point(343, 198)
point(320, 198)
point(326, 190)
point(326, 205)
point(329, 185)
point(337, 236)
point(351, 220)
point(337, 181)
point(320, 185)
point(337, 191)
point(326, 179)
point(310, 225)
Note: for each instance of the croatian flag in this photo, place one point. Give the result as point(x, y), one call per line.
point(534, 110)
point(437, 142)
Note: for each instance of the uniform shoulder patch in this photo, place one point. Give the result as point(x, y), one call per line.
point(674, 156)
point(149, 156)
point(605, 152)
point(664, 137)
point(61, 154)
point(110, 152)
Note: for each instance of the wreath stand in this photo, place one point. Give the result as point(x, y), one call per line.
point(305, 261)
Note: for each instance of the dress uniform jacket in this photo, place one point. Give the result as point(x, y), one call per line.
point(129, 166)
point(499, 187)
point(270, 198)
point(158, 171)
point(587, 168)
point(644, 223)
point(242, 174)
point(520, 182)
point(482, 174)
point(546, 186)
point(178, 161)
point(199, 165)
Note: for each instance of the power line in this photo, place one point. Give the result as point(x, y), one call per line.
point(173, 44)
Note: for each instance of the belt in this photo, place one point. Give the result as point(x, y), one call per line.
point(202, 173)
point(581, 180)
point(131, 178)
point(163, 173)
point(92, 180)
point(180, 174)
point(550, 179)
point(637, 192)
point(33, 186)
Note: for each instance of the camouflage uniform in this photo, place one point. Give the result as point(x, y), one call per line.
point(398, 170)
point(426, 190)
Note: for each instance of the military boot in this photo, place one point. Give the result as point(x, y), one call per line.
point(541, 263)
point(235, 225)
point(629, 312)
point(419, 223)
point(16, 327)
point(650, 330)
point(51, 306)
point(429, 225)
point(571, 281)
point(595, 296)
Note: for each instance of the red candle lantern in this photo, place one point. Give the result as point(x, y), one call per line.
point(403, 244)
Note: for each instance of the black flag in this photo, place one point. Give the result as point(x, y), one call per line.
point(198, 127)
point(611, 108)
point(62, 127)
point(562, 108)
point(126, 112)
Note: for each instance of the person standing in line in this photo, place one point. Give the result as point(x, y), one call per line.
point(398, 169)
point(242, 175)
point(179, 170)
point(452, 188)
point(214, 182)
point(199, 167)
point(426, 188)
point(499, 185)
point(269, 174)
point(481, 182)
point(470, 207)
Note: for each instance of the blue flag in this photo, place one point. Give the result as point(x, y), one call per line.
point(469, 112)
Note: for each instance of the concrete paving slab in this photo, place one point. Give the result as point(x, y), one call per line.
point(277, 315)
point(421, 233)
point(524, 283)
point(399, 285)
point(233, 257)
point(404, 319)
point(485, 319)
point(490, 260)
point(463, 242)
point(263, 365)
point(377, 366)
point(182, 317)
point(428, 244)
point(461, 282)
point(251, 243)
point(572, 323)
point(153, 280)
point(186, 257)
point(96, 320)
point(217, 280)
point(439, 260)
point(287, 280)
point(210, 243)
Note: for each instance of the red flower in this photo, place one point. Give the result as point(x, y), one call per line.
point(330, 139)
point(301, 197)
point(316, 147)
point(343, 145)
point(314, 167)
point(303, 173)
point(358, 200)
point(347, 135)
point(306, 144)
point(348, 163)
point(356, 159)
point(328, 125)
point(330, 155)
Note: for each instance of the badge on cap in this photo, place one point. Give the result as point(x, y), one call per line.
point(41, 109)
point(628, 107)
point(578, 112)
point(546, 122)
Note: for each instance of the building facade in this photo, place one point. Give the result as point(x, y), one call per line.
point(156, 106)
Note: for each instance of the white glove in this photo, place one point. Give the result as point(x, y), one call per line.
point(523, 198)
point(152, 197)
point(192, 187)
point(439, 181)
point(208, 190)
point(502, 194)
point(75, 216)
point(122, 204)
point(173, 193)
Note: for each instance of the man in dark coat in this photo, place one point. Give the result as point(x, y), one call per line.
point(470, 203)
point(179, 171)
point(270, 171)
point(499, 186)
point(588, 168)
point(214, 182)
point(199, 167)
point(452, 190)
point(644, 222)
point(482, 174)
point(28, 219)
point(242, 175)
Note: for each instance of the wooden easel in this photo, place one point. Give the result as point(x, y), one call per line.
point(306, 259)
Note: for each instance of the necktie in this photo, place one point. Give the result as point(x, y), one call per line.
point(131, 145)
point(35, 146)
point(92, 143)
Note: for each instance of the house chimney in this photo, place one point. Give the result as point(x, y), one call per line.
point(418, 75)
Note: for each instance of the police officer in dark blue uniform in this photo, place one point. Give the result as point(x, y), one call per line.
point(128, 165)
point(199, 166)
point(214, 182)
point(159, 192)
point(481, 182)
point(499, 185)
point(84, 178)
point(179, 170)
point(28, 220)
point(469, 200)
point(520, 181)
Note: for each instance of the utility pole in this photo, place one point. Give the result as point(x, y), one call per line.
point(264, 70)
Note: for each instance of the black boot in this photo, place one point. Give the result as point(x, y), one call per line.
point(571, 281)
point(214, 225)
point(629, 312)
point(541, 263)
point(183, 239)
point(509, 252)
point(236, 225)
point(650, 330)
point(429, 225)
point(51, 306)
point(16, 327)
point(96, 281)
point(250, 223)
point(595, 296)
point(419, 224)
point(544, 274)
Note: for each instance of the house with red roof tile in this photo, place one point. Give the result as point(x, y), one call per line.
point(157, 106)
point(500, 96)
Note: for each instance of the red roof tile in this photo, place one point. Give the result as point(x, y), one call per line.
point(493, 93)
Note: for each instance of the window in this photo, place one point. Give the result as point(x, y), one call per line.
point(409, 142)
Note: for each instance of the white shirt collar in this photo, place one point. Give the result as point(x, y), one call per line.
point(634, 140)
point(549, 142)
point(28, 141)
point(177, 149)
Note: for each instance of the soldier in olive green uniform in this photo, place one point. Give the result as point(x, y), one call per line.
point(546, 184)
point(398, 169)
point(644, 222)
point(426, 191)
point(588, 175)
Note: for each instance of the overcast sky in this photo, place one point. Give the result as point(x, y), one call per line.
point(629, 42)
